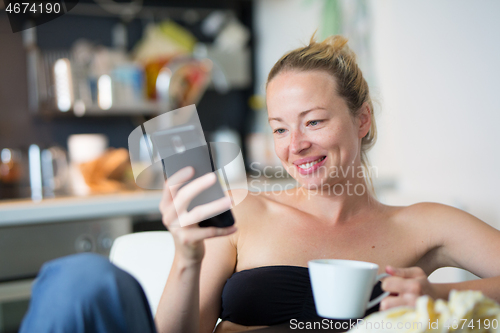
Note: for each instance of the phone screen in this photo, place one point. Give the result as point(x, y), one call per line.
point(183, 146)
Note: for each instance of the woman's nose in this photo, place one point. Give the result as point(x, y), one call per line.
point(298, 142)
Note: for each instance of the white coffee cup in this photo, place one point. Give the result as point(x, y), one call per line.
point(342, 288)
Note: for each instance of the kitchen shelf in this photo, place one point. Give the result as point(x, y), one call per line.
point(23, 212)
point(146, 108)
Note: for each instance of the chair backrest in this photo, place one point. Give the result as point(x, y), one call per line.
point(148, 257)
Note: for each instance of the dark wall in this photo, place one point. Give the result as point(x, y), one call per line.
point(17, 126)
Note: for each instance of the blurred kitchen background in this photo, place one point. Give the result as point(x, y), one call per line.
point(72, 90)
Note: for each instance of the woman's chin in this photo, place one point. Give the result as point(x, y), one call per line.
point(310, 183)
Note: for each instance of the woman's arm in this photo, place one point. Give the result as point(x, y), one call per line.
point(217, 266)
point(471, 244)
point(179, 307)
point(192, 296)
point(464, 242)
point(407, 284)
point(178, 310)
point(490, 287)
point(221, 257)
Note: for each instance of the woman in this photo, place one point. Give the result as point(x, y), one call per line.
point(321, 115)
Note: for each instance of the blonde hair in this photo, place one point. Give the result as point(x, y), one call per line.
point(334, 56)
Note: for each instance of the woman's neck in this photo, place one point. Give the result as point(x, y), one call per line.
point(337, 202)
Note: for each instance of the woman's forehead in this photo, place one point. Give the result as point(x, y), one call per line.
point(295, 76)
point(299, 91)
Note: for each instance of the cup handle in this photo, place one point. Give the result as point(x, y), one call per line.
point(380, 297)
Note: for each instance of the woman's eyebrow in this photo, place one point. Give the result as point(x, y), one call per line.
point(303, 113)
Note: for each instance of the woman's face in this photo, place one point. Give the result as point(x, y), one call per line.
point(315, 137)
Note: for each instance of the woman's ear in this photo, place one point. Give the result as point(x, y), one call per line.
point(365, 120)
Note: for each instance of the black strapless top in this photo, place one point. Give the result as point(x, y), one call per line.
point(272, 295)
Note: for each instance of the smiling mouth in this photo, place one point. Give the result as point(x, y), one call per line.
point(310, 164)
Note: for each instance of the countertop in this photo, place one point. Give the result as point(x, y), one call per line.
point(62, 209)
point(18, 212)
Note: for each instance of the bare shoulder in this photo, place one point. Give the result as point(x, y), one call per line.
point(462, 237)
point(249, 210)
point(443, 222)
point(247, 205)
point(435, 213)
point(425, 220)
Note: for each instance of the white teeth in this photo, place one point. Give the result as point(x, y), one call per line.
point(308, 165)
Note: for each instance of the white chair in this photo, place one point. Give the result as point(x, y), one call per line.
point(148, 257)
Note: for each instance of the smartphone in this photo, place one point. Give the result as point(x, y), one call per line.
point(184, 146)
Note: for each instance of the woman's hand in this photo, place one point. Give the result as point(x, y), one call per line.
point(405, 286)
point(173, 206)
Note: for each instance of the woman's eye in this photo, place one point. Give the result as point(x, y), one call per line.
point(279, 131)
point(314, 122)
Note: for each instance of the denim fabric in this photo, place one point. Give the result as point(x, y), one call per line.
point(86, 293)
